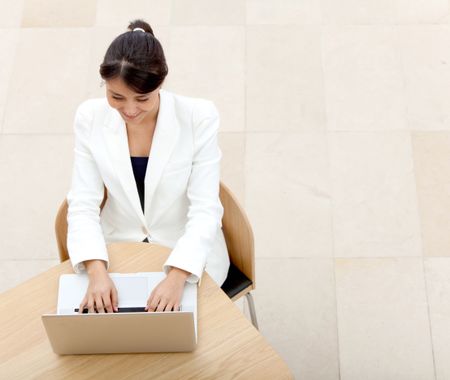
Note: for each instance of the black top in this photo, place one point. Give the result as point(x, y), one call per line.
point(139, 165)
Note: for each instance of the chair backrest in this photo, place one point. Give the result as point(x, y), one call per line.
point(235, 224)
point(238, 234)
point(61, 227)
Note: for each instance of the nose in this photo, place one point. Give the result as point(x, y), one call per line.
point(130, 108)
point(130, 111)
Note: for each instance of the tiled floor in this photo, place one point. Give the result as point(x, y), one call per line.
point(336, 138)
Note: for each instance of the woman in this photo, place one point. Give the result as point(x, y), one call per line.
point(157, 155)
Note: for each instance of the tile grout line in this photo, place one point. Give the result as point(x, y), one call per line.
point(339, 131)
point(30, 259)
point(245, 307)
point(16, 39)
point(245, 109)
point(349, 257)
point(227, 24)
point(38, 134)
point(422, 240)
point(333, 249)
point(429, 317)
point(250, 132)
point(397, 46)
point(399, 56)
point(330, 184)
point(171, 24)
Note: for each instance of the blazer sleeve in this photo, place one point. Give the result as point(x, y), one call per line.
point(85, 239)
point(205, 210)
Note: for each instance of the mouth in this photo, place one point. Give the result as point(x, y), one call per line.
point(132, 116)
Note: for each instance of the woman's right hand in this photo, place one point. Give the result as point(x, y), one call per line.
point(101, 294)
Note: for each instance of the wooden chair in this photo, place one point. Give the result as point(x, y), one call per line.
point(238, 234)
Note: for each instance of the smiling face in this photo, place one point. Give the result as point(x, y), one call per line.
point(134, 108)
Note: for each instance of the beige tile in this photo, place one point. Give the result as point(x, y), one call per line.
point(432, 167)
point(422, 11)
point(363, 79)
point(52, 87)
point(208, 62)
point(232, 165)
point(101, 38)
point(208, 12)
point(357, 12)
point(56, 13)
point(284, 79)
point(426, 64)
point(383, 324)
point(438, 287)
point(296, 310)
point(375, 209)
point(12, 18)
point(120, 13)
point(287, 194)
point(285, 12)
point(8, 44)
point(14, 272)
point(35, 174)
point(240, 304)
point(370, 12)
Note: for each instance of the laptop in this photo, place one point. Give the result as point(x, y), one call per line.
point(131, 330)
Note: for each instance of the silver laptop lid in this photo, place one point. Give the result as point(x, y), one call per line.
point(71, 333)
point(121, 332)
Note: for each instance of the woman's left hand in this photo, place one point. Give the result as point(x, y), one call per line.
point(167, 295)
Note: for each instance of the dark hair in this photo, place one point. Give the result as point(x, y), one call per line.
point(137, 58)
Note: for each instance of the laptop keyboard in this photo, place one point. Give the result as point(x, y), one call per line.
point(121, 310)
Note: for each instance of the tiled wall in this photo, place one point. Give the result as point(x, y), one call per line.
point(336, 138)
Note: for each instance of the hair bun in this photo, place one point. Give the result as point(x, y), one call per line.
point(139, 23)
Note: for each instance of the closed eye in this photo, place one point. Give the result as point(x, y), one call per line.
point(139, 100)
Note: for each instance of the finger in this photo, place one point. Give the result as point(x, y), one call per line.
point(115, 299)
point(176, 307)
point(90, 304)
point(149, 301)
point(162, 304)
point(107, 302)
point(152, 306)
point(99, 304)
point(169, 306)
point(82, 305)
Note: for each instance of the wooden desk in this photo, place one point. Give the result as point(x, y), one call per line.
point(228, 344)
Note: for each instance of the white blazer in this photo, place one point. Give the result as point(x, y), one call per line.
point(182, 205)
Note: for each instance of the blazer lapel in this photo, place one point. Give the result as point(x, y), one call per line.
point(164, 140)
point(117, 144)
point(163, 144)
